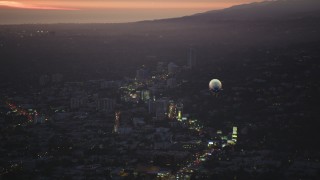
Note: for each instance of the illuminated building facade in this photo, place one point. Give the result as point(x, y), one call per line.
point(145, 95)
point(234, 133)
point(179, 111)
point(172, 113)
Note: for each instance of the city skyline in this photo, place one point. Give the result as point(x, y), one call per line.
point(111, 11)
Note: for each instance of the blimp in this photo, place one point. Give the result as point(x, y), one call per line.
point(215, 86)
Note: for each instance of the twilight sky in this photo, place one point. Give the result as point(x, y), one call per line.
point(92, 11)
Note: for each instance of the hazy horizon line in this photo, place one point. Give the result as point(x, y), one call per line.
point(138, 20)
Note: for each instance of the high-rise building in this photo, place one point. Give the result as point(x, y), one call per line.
point(192, 59)
point(117, 122)
point(161, 108)
point(234, 133)
point(180, 111)
point(145, 95)
point(172, 113)
point(151, 106)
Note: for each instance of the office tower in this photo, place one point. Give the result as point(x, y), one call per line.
point(234, 133)
point(161, 108)
point(192, 59)
point(172, 113)
point(117, 122)
point(180, 111)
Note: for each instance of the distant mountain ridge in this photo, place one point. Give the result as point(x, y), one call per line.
point(276, 9)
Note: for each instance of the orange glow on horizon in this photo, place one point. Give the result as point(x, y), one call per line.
point(19, 5)
point(113, 4)
point(148, 5)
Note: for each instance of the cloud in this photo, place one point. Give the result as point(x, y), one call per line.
point(19, 5)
